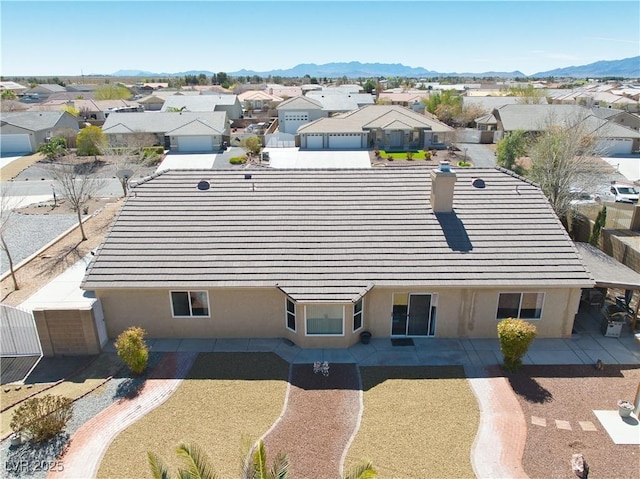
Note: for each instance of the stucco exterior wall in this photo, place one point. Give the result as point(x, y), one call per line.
point(261, 313)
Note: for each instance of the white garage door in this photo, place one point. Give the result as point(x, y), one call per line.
point(345, 141)
point(15, 144)
point(292, 121)
point(615, 146)
point(314, 142)
point(194, 143)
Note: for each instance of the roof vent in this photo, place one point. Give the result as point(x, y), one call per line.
point(478, 183)
point(204, 185)
point(247, 176)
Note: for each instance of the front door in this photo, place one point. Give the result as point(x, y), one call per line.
point(413, 315)
point(396, 139)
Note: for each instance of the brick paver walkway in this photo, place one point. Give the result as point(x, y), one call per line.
point(499, 445)
point(90, 442)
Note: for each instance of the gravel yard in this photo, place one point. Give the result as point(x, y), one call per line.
point(227, 401)
point(33, 462)
point(417, 422)
point(571, 394)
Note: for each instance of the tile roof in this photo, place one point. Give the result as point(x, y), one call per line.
point(162, 122)
point(198, 102)
point(374, 116)
point(34, 120)
point(327, 235)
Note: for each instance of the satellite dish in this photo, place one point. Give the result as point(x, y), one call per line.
point(124, 174)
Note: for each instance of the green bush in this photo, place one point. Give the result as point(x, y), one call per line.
point(151, 150)
point(238, 160)
point(132, 349)
point(42, 417)
point(427, 155)
point(409, 155)
point(515, 337)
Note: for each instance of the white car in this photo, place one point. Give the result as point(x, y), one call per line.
point(624, 193)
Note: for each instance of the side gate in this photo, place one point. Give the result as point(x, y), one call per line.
point(18, 333)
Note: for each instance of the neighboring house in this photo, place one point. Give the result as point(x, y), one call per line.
point(258, 99)
point(283, 91)
point(383, 126)
point(408, 100)
point(194, 103)
point(620, 117)
point(95, 111)
point(298, 111)
point(613, 139)
point(184, 131)
point(336, 100)
point(152, 102)
point(24, 132)
point(12, 86)
point(489, 103)
point(43, 91)
point(319, 256)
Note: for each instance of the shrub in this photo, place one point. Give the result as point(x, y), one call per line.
point(42, 417)
point(464, 164)
point(150, 150)
point(238, 160)
point(409, 155)
point(132, 349)
point(515, 337)
point(427, 155)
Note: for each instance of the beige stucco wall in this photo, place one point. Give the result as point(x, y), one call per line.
point(463, 313)
point(260, 313)
point(69, 332)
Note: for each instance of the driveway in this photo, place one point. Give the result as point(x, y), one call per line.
point(296, 158)
point(481, 156)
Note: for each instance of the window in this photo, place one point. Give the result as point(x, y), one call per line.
point(357, 315)
point(324, 319)
point(291, 315)
point(520, 305)
point(189, 303)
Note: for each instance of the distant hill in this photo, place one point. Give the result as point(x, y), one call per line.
point(626, 68)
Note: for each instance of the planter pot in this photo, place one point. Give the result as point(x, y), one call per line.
point(625, 408)
point(16, 439)
point(365, 337)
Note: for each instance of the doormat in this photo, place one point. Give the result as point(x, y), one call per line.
point(402, 342)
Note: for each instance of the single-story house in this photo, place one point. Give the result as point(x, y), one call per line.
point(383, 126)
point(335, 100)
point(177, 131)
point(407, 99)
point(258, 99)
point(43, 91)
point(95, 111)
point(621, 117)
point(152, 102)
point(613, 139)
point(12, 86)
point(298, 111)
point(24, 132)
point(319, 256)
point(194, 103)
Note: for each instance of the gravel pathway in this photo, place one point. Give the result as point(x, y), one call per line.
point(29, 233)
point(35, 462)
point(320, 416)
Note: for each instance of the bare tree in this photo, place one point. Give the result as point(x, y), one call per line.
point(8, 204)
point(77, 184)
point(565, 157)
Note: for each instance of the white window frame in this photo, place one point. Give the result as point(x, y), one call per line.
point(361, 314)
point(521, 293)
point(189, 291)
point(313, 335)
point(287, 313)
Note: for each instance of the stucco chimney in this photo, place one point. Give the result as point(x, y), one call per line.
point(443, 180)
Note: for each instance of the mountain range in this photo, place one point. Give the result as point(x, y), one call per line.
point(626, 68)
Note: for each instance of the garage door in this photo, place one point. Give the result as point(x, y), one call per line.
point(314, 142)
point(293, 121)
point(15, 144)
point(346, 141)
point(615, 146)
point(194, 143)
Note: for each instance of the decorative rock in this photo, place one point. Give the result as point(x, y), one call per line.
point(579, 466)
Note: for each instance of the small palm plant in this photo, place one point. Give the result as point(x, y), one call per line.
point(256, 467)
point(363, 470)
point(195, 464)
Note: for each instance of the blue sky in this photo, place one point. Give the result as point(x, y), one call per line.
point(67, 38)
